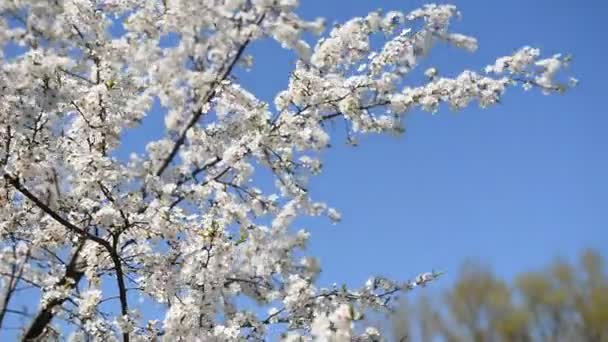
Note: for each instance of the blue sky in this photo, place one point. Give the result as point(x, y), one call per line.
point(512, 186)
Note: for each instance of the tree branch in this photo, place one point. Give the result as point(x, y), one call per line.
point(15, 276)
point(73, 274)
point(120, 281)
point(210, 95)
point(45, 208)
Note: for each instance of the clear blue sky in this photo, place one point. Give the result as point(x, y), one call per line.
point(512, 186)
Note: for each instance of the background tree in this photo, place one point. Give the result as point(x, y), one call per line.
point(563, 302)
point(85, 235)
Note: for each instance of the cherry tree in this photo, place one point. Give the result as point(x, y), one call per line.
point(87, 236)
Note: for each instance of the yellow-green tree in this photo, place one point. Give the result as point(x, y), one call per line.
point(563, 302)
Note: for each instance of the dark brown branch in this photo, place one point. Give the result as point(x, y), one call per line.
point(7, 145)
point(17, 312)
point(73, 274)
point(199, 112)
point(45, 208)
point(16, 273)
point(23, 279)
point(8, 292)
point(75, 75)
point(215, 178)
point(366, 107)
point(120, 281)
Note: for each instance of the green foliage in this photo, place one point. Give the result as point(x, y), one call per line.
point(564, 302)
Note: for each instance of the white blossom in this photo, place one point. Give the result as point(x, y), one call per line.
point(88, 302)
point(185, 225)
point(334, 215)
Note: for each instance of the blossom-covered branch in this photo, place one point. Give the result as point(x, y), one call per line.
point(183, 225)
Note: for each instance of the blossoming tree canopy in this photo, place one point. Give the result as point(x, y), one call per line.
point(182, 225)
